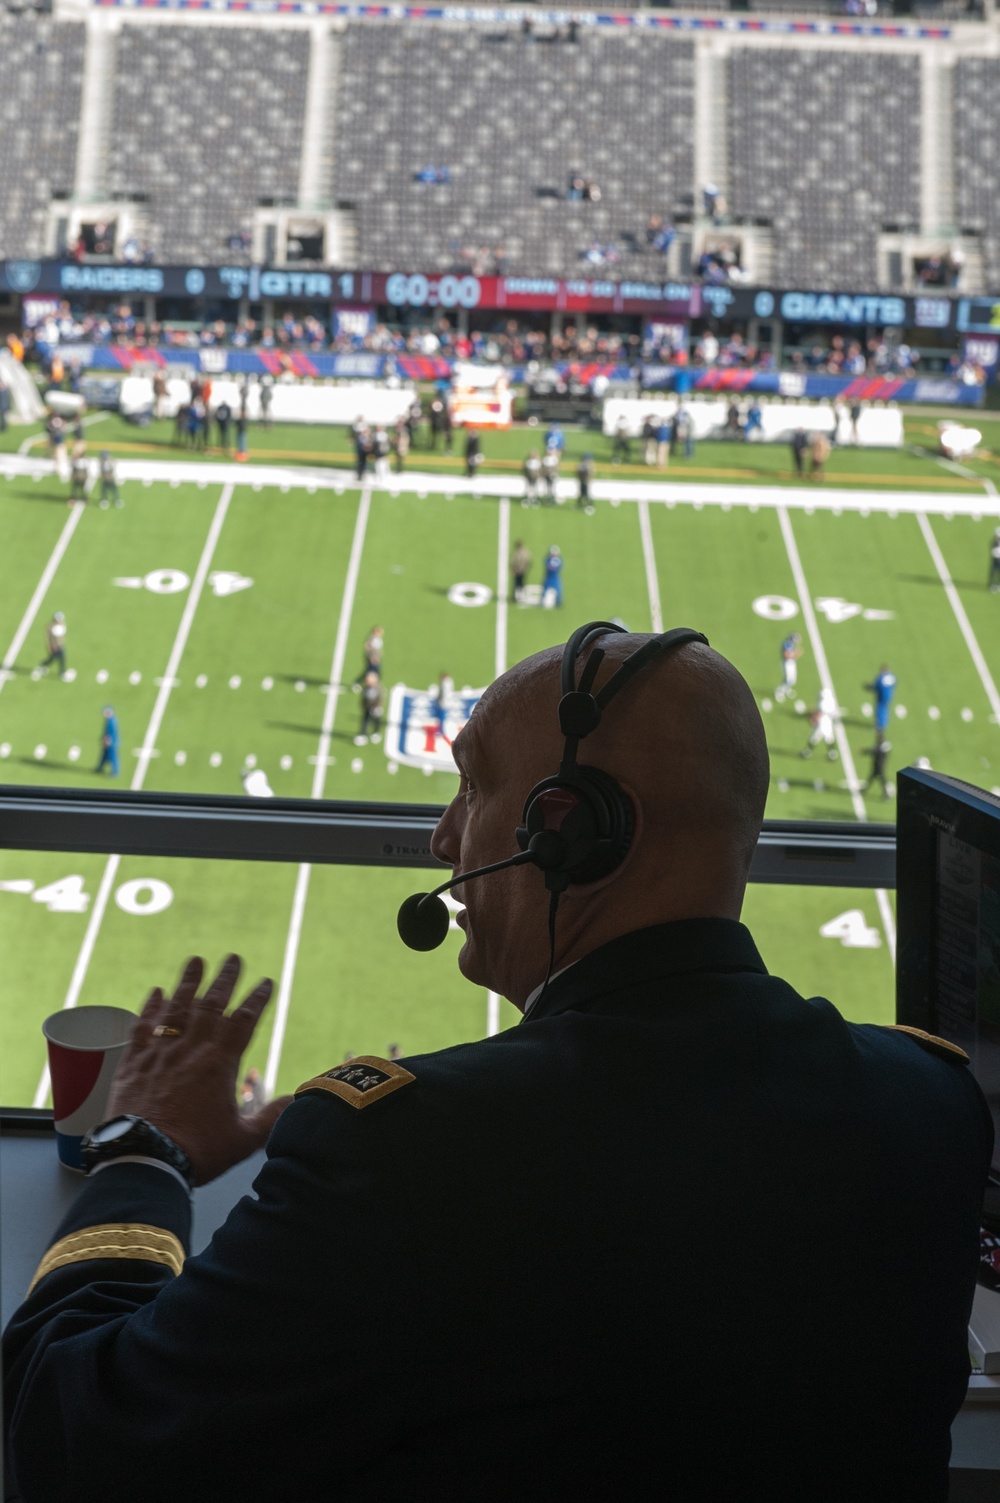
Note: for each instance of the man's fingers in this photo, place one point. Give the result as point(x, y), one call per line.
point(245, 1017)
point(152, 1012)
point(187, 988)
point(219, 994)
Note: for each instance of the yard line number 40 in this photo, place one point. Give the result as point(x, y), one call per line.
point(141, 897)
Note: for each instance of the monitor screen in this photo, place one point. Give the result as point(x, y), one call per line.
point(948, 879)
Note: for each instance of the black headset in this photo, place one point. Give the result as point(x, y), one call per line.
point(578, 824)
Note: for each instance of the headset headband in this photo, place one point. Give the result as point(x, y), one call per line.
point(579, 710)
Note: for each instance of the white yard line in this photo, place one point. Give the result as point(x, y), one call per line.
point(964, 625)
point(652, 583)
point(48, 573)
point(99, 909)
point(290, 960)
point(678, 492)
point(826, 678)
point(503, 586)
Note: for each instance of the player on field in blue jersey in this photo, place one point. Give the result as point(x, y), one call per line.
point(791, 651)
point(883, 687)
point(109, 742)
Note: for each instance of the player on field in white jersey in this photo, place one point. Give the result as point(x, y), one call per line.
point(821, 720)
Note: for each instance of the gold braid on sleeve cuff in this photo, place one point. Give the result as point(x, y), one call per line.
point(125, 1239)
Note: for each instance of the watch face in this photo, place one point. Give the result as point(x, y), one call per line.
point(110, 1132)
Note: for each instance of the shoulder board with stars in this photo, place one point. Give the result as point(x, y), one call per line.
point(930, 1041)
point(360, 1081)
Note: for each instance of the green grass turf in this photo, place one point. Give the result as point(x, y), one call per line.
point(356, 988)
point(735, 463)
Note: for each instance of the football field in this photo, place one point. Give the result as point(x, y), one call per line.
point(222, 612)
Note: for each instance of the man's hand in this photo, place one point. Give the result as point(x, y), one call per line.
point(184, 1083)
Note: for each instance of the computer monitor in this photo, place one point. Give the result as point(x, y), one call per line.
point(948, 914)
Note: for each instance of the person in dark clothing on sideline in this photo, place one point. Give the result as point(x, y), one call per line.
point(622, 447)
point(584, 475)
point(879, 755)
point(473, 453)
point(800, 447)
point(223, 420)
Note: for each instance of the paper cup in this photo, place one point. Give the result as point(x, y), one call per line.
point(85, 1047)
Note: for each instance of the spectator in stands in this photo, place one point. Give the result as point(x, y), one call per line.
point(577, 187)
point(706, 351)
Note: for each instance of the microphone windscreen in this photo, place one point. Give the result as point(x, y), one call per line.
point(423, 925)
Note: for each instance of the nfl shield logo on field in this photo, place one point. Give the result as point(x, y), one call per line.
point(420, 728)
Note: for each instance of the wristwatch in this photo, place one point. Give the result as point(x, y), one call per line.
point(127, 1136)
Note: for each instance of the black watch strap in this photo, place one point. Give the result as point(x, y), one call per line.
point(132, 1137)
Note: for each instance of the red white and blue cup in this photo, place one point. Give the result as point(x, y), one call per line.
point(86, 1045)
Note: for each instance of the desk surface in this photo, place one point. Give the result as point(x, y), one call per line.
point(35, 1191)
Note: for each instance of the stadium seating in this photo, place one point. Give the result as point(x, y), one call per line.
point(977, 173)
point(818, 146)
point(511, 118)
point(208, 123)
point(39, 124)
point(827, 146)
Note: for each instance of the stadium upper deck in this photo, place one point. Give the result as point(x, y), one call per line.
point(843, 153)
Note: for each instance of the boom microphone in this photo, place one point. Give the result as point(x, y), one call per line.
point(423, 919)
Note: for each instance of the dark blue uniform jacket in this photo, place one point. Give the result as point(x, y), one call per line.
point(682, 1235)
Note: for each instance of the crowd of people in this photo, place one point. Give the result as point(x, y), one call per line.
point(510, 340)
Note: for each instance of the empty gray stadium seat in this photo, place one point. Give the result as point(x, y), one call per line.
point(39, 124)
point(827, 146)
point(511, 118)
point(207, 123)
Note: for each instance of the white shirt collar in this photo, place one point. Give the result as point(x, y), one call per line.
point(534, 996)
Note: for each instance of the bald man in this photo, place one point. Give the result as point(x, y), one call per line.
point(682, 1235)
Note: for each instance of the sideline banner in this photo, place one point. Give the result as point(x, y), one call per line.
point(729, 380)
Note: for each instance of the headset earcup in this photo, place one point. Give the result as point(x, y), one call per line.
point(617, 825)
point(591, 814)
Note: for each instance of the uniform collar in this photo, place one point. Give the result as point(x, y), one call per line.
point(681, 948)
